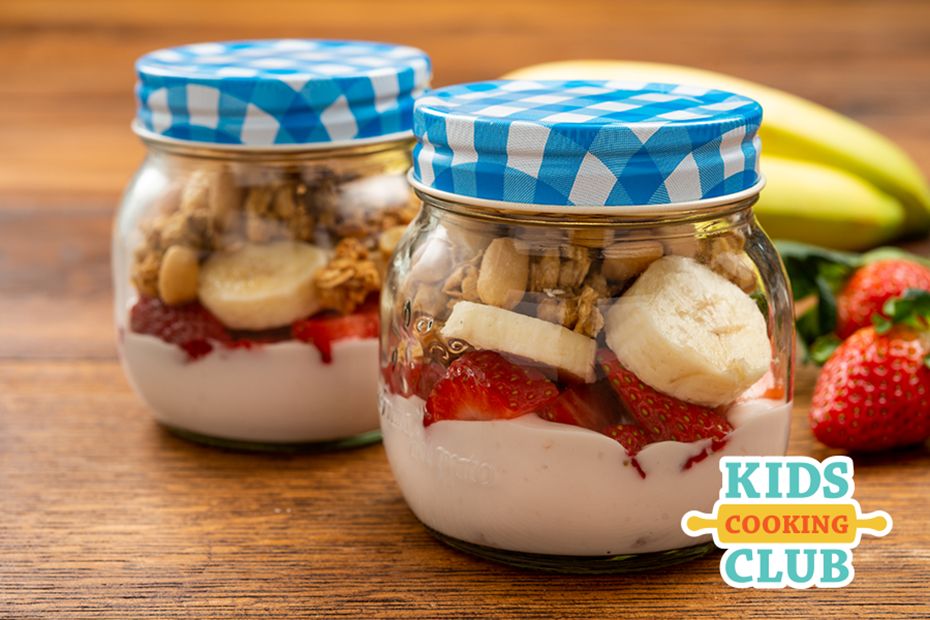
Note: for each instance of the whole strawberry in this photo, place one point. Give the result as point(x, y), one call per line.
point(870, 286)
point(874, 392)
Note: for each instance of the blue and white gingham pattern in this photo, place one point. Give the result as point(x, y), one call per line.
point(280, 92)
point(586, 143)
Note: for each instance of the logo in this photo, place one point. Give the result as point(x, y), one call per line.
point(786, 521)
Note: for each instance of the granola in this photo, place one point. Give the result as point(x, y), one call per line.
point(723, 253)
point(577, 312)
point(462, 283)
point(347, 280)
point(544, 271)
point(575, 266)
point(217, 210)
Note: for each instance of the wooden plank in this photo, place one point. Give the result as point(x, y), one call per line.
point(104, 514)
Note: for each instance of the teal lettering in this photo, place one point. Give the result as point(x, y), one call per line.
point(736, 480)
point(793, 575)
point(836, 479)
point(773, 492)
point(835, 560)
point(730, 566)
point(794, 480)
point(764, 576)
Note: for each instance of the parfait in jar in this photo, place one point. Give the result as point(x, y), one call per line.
point(583, 319)
point(251, 246)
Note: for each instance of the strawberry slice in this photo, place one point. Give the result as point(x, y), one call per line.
point(426, 377)
point(190, 326)
point(484, 385)
point(662, 417)
point(630, 436)
point(322, 330)
point(413, 378)
point(589, 405)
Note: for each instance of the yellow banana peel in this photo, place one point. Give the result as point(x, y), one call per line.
point(793, 128)
point(825, 206)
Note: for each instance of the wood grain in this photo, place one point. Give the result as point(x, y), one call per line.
point(103, 514)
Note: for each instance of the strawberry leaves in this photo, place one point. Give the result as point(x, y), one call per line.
point(817, 277)
point(816, 273)
point(912, 309)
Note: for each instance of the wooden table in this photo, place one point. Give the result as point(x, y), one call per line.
point(104, 514)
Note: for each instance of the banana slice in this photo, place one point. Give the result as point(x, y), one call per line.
point(489, 327)
point(690, 333)
point(262, 286)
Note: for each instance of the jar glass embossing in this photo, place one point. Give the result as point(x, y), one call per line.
point(582, 320)
point(251, 244)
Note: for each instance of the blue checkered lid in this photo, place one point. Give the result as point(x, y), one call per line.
point(604, 143)
point(279, 92)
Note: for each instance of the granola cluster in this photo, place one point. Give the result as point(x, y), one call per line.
point(569, 285)
point(345, 282)
point(216, 211)
point(723, 252)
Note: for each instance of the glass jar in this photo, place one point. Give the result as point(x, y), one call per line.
point(250, 246)
point(581, 321)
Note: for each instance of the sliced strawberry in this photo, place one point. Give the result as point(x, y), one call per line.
point(190, 326)
point(590, 405)
point(484, 385)
point(630, 436)
point(324, 329)
point(413, 378)
point(715, 445)
point(662, 417)
point(428, 375)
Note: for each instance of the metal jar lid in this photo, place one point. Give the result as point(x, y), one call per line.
point(279, 92)
point(574, 143)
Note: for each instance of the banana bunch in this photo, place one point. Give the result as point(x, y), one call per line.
point(831, 181)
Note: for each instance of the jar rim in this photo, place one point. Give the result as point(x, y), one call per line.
point(614, 210)
point(149, 136)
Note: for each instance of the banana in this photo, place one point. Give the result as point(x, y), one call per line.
point(838, 210)
point(690, 333)
point(792, 127)
point(262, 286)
point(489, 327)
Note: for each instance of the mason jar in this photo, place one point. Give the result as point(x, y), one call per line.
point(583, 319)
point(250, 246)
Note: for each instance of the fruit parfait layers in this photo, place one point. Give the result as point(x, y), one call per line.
point(582, 320)
point(250, 247)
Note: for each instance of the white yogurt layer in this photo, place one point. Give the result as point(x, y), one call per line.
point(275, 393)
point(540, 487)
